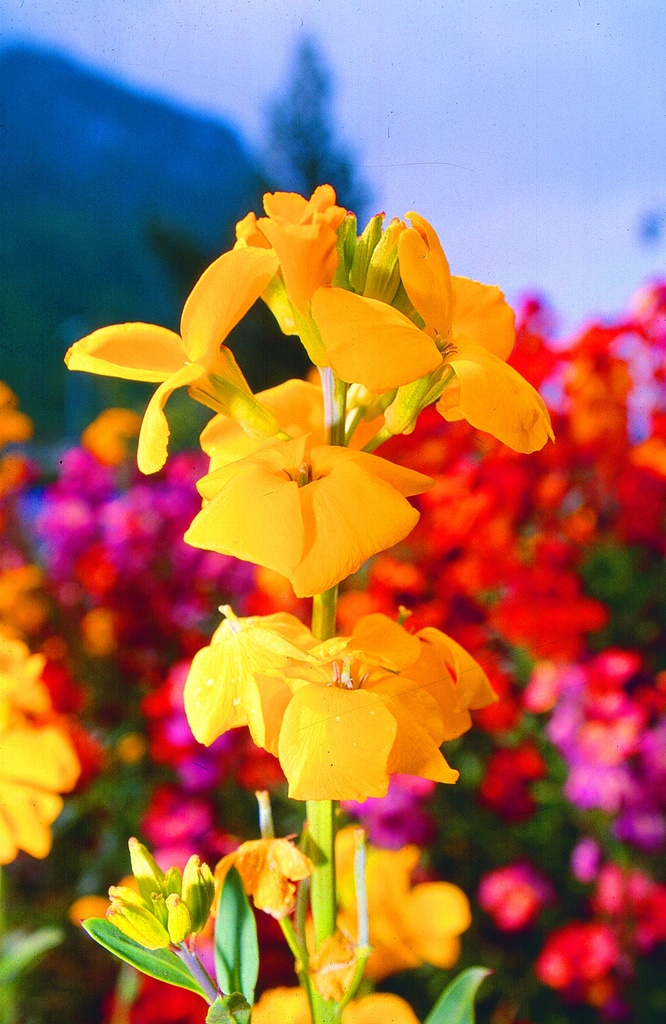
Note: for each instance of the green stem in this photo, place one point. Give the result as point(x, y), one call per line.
point(321, 833)
point(198, 972)
point(321, 813)
point(324, 607)
point(8, 1009)
point(335, 405)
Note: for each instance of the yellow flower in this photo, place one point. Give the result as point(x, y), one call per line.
point(342, 715)
point(138, 351)
point(290, 1006)
point(303, 232)
point(269, 869)
point(354, 710)
point(303, 510)
point(466, 325)
point(409, 925)
point(37, 760)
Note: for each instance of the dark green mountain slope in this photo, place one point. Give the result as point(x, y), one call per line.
point(89, 170)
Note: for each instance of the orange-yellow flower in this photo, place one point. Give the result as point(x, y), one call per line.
point(409, 925)
point(269, 869)
point(15, 426)
point(108, 436)
point(466, 325)
point(303, 232)
point(290, 1006)
point(138, 351)
point(343, 715)
point(37, 760)
point(314, 513)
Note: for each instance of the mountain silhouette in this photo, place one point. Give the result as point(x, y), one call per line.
point(90, 171)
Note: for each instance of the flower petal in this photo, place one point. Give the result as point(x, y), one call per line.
point(481, 312)
point(369, 342)
point(334, 744)
point(298, 406)
point(255, 516)
point(420, 731)
point(339, 534)
point(132, 351)
point(379, 640)
point(154, 434)
point(424, 270)
point(221, 297)
point(492, 396)
point(407, 482)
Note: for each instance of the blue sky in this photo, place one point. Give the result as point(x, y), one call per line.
point(532, 134)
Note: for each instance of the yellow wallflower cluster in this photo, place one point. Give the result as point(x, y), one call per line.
point(294, 484)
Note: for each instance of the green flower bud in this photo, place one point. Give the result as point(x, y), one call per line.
point(364, 250)
point(198, 891)
point(383, 276)
point(346, 247)
point(179, 919)
point(129, 913)
point(158, 907)
point(173, 881)
point(149, 876)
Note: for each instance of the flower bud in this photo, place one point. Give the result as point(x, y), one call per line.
point(149, 876)
point(158, 905)
point(346, 248)
point(198, 891)
point(130, 914)
point(179, 923)
point(383, 275)
point(173, 881)
point(364, 250)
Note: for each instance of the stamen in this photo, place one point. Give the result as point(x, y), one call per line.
point(304, 474)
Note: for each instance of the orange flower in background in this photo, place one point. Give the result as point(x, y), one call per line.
point(409, 925)
point(137, 351)
point(269, 869)
point(303, 510)
point(303, 233)
point(108, 437)
point(290, 1006)
point(15, 426)
point(37, 760)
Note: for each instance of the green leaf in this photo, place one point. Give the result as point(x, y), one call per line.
point(456, 1003)
point(157, 963)
point(233, 1009)
point(236, 947)
point(24, 950)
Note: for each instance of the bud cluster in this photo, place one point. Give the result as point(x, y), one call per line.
point(169, 907)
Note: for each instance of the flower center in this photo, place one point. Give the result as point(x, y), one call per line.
point(343, 676)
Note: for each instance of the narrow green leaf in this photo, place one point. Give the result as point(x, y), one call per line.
point(157, 963)
point(236, 947)
point(233, 1009)
point(24, 950)
point(456, 1003)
